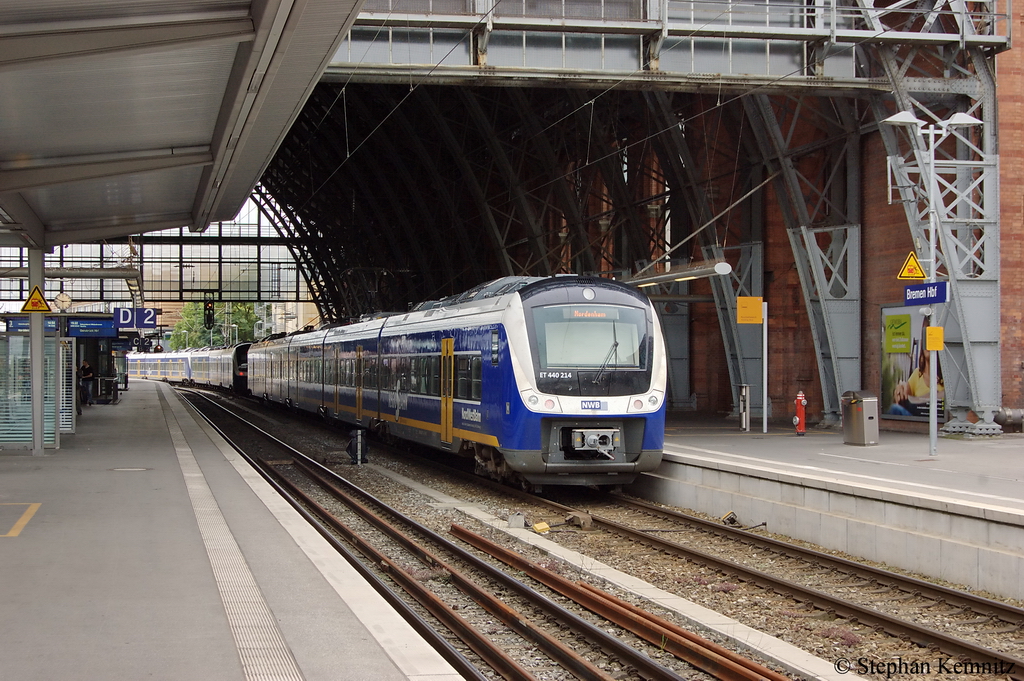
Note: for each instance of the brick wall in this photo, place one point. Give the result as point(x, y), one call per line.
point(1010, 78)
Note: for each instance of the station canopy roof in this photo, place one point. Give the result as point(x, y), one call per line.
point(121, 117)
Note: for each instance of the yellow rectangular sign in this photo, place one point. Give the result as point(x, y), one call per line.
point(748, 310)
point(935, 338)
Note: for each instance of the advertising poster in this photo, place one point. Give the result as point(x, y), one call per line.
point(905, 366)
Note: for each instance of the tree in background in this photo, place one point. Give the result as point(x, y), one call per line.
point(189, 332)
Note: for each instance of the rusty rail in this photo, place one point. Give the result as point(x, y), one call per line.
point(703, 654)
point(564, 655)
point(644, 665)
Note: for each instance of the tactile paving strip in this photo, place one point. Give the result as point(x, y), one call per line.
point(261, 647)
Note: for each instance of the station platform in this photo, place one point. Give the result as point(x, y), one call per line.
point(146, 548)
point(957, 515)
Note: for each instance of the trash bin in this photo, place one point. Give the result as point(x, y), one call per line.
point(860, 418)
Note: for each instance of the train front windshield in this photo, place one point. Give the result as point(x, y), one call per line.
point(591, 349)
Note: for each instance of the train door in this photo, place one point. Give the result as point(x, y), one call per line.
point(331, 377)
point(359, 383)
point(447, 385)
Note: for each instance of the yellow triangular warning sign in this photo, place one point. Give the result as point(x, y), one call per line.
point(911, 268)
point(36, 302)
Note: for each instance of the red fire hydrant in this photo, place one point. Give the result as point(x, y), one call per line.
point(800, 420)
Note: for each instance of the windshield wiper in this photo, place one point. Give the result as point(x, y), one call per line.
point(611, 353)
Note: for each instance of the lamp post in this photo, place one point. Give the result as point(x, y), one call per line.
point(234, 331)
point(935, 133)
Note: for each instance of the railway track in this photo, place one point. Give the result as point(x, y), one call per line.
point(965, 626)
point(986, 635)
point(493, 614)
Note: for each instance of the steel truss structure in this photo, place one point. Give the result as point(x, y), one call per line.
point(453, 142)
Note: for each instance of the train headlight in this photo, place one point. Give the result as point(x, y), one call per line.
point(541, 403)
point(640, 403)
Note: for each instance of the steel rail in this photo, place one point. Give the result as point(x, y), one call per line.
point(828, 603)
point(893, 625)
point(840, 607)
point(644, 665)
point(919, 587)
point(611, 644)
point(453, 656)
point(513, 619)
point(715, 660)
point(475, 639)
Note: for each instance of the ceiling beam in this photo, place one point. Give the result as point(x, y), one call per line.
point(27, 230)
point(80, 234)
point(58, 171)
point(63, 42)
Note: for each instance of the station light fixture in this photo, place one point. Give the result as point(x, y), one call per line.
point(693, 270)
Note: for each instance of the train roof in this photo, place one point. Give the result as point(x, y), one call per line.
point(490, 289)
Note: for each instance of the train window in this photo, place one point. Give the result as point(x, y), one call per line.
point(462, 377)
point(434, 376)
point(476, 378)
point(370, 373)
point(402, 374)
point(414, 375)
point(589, 336)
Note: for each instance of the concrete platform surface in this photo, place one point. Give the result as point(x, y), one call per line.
point(146, 548)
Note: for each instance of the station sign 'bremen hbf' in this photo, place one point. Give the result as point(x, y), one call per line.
point(931, 293)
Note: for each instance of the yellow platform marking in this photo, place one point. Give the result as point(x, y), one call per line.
point(23, 520)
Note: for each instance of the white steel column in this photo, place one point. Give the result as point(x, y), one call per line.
point(36, 323)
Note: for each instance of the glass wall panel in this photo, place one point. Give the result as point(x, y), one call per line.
point(505, 48)
point(544, 50)
point(677, 55)
point(369, 45)
point(16, 390)
point(622, 53)
point(711, 56)
point(451, 48)
point(582, 51)
point(749, 57)
point(786, 58)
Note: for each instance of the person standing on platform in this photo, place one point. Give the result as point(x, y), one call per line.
point(86, 376)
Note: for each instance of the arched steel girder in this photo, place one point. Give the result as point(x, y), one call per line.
point(692, 182)
point(342, 181)
point(567, 202)
point(608, 157)
point(813, 147)
point(426, 159)
point(325, 257)
point(513, 180)
point(282, 222)
point(470, 180)
point(329, 245)
point(400, 199)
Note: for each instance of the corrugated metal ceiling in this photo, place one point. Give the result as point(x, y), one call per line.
point(126, 116)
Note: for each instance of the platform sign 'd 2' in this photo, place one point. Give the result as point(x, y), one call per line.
point(135, 318)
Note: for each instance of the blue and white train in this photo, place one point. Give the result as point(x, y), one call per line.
point(544, 381)
point(209, 367)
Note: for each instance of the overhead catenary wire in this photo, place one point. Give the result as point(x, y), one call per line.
point(590, 102)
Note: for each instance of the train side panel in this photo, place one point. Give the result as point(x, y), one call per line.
point(560, 381)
